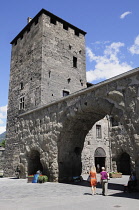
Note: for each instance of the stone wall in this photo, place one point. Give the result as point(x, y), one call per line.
point(2, 150)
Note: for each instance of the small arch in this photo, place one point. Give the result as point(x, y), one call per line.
point(123, 164)
point(34, 163)
point(100, 157)
point(100, 152)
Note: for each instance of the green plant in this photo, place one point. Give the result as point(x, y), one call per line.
point(42, 178)
point(1, 173)
point(3, 143)
point(115, 172)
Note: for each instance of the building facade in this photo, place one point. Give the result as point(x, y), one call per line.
point(97, 147)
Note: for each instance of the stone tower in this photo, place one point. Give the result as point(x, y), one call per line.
point(47, 63)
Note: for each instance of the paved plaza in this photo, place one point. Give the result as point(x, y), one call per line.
point(17, 194)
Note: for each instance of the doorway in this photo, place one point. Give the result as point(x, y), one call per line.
point(123, 165)
point(100, 158)
point(34, 163)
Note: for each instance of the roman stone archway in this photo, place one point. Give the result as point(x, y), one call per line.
point(59, 129)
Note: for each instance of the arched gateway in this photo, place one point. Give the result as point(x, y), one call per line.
point(59, 129)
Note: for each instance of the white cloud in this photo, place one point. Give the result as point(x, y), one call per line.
point(108, 65)
point(1, 121)
point(3, 112)
point(134, 49)
point(3, 116)
point(122, 16)
point(3, 109)
point(101, 42)
point(2, 129)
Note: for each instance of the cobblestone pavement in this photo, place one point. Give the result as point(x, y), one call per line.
point(17, 194)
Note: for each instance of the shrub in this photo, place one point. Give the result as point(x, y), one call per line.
point(42, 178)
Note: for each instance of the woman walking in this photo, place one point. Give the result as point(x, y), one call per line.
point(93, 180)
point(104, 181)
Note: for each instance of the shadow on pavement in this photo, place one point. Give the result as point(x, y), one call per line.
point(133, 195)
point(111, 186)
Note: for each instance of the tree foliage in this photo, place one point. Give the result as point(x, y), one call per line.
point(2, 144)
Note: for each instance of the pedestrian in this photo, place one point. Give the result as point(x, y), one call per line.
point(98, 168)
point(36, 176)
point(17, 172)
point(93, 179)
point(132, 182)
point(104, 181)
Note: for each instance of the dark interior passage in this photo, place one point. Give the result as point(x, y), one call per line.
point(123, 164)
point(100, 157)
point(34, 163)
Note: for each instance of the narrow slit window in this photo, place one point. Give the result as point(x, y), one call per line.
point(22, 103)
point(98, 131)
point(21, 86)
point(49, 74)
point(74, 62)
point(69, 79)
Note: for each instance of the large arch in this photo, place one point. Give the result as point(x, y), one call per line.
point(76, 124)
point(118, 99)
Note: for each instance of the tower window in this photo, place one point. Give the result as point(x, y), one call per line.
point(22, 103)
point(98, 131)
point(65, 93)
point(49, 74)
point(74, 62)
point(69, 80)
point(21, 86)
point(53, 21)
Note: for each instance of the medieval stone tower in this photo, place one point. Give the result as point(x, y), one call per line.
point(47, 63)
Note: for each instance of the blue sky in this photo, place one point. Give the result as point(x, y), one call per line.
point(112, 40)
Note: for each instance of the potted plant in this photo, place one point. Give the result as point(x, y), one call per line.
point(42, 178)
point(30, 178)
point(115, 175)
